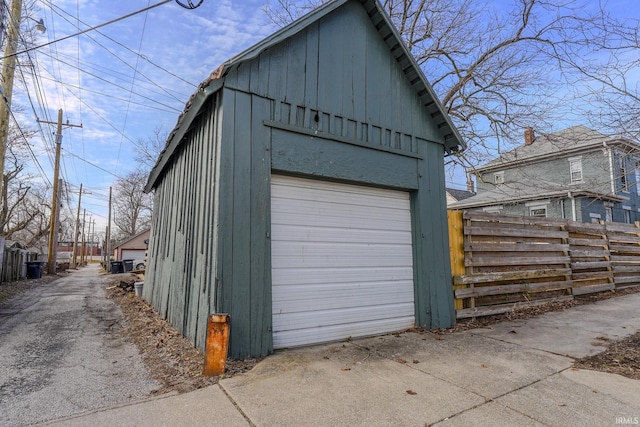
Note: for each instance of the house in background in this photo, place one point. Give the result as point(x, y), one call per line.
point(455, 195)
point(302, 191)
point(577, 174)
point(134, 247)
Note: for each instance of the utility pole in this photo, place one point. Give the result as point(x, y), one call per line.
point(55, 208)
point(93, 238)
point(75, 233)
point(82, 255)
point(104, 249)
point(109, 235)
point(8, 70)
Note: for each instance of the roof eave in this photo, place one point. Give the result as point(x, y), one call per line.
point(184, 124)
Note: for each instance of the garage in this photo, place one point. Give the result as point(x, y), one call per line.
point(302, 191)
point(341, 261)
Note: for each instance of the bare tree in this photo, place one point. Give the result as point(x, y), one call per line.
point(148, 150)
point(24, 215)
point(131, 205)
point(500, 68)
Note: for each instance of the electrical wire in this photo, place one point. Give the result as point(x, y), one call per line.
point(133, 83)
point(33, 155)
point(67, 85)
point(89, 29)
point(126, 63)
point(94, 165)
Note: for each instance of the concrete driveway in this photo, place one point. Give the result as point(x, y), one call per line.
point(512, 374)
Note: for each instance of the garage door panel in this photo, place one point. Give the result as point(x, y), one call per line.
point(303, 276)
point(301, 298)
point(324, 220)
point(298, 337)
point(342, 261)
point(133, 253)
point(297, 189)
point(324, 255)
point(339, 235)
point(339, 316)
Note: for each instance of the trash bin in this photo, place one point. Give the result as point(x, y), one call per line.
point(34, 269)
point(128, 264)
point(117, 267)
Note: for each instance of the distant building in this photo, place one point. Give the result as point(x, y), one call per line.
point(455, 195)
point(134, 247)
point(577, 173)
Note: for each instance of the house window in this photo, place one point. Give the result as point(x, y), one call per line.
point(608, 214)
point(627, 217)
point(624, 185)
point(637, 173)
point(498, 178)
point(493, 209)
point(538, 208)
point(575, 168)
point(540, 212)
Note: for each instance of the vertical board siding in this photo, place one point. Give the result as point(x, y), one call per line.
point(244, 257)
point(340, 65)
point(260, 293)
point(179, 288)
point(241, 221)
point(434, 296)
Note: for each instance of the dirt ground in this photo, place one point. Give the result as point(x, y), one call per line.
point(172, 360)
point(177, 365)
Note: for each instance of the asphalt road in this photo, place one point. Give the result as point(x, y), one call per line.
point(61, 353)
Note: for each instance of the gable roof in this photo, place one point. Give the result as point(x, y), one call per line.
point(518, 192)
point(128, 239)
point(565, 142)
point(452, 140)
point(460, 194)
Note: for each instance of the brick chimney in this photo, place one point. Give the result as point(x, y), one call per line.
point(470, 184)
point(529, 136)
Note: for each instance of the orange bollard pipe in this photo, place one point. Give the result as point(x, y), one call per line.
point(217, 344)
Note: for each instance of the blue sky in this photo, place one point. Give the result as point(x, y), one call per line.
point(118, 96)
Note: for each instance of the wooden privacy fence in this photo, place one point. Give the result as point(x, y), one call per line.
point(501, 262)
point(14, 264)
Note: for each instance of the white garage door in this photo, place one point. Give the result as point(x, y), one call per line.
point(342, 263)
point(133, 253)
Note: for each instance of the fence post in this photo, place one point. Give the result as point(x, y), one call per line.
point(456, 251)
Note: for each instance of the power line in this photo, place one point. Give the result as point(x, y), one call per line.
point(126, 63)
point(93, 164)
point(90, 29)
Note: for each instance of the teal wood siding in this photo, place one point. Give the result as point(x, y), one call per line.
point(182, 246)
point(244, 272)
point(432, 271)
point(339, 66)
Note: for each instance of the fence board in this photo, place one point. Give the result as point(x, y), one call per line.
point(582, 290)
point(516, 247)
point(514, 232)
point(510, 276)
point(512, 288)
point(504, 308)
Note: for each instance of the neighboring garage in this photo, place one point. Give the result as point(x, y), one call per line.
point(302, 191)
point(340, 267)
point(133, 247)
